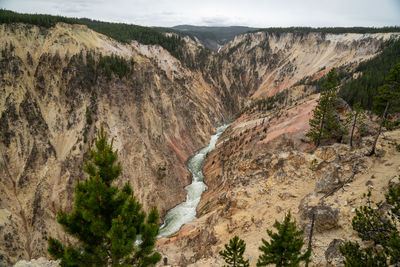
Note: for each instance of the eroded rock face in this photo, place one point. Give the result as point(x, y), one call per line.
point(268, 63)
point(52, 101)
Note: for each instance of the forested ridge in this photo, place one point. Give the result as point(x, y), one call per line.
point(119, 31)
point(333, 30)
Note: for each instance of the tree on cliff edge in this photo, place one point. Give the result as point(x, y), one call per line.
point(324, 124)
point(106, 221)
point(387, 100)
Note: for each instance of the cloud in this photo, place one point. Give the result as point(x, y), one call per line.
point(257, 13)
point(75, 7)
point(222, 21)
point(216, 21)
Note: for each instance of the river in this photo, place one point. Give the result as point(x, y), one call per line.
point(186, 211)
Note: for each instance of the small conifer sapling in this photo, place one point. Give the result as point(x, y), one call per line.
point(233, 253)
point(284, 248)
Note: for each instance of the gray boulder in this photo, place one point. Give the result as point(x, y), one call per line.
point(326, 217)
point(333, 256)
point(328, 180)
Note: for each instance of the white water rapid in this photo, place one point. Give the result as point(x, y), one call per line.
point(186, 211)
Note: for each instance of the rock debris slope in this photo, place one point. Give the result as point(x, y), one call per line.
point(254, 180)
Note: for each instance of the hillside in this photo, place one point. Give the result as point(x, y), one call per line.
point(60, 82)
point(270, 63)
point(255, 178)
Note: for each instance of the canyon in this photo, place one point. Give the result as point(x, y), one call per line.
point(52, 102)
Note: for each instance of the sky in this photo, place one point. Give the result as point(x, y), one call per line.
point(254, 13)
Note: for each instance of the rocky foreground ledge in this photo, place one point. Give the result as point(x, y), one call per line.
point(41, 262)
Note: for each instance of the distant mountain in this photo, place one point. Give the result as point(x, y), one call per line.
point(212, 37)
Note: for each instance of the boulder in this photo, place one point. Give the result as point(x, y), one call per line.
point(326, 153)
point(341, 105)
point(328, 180)
point(333, 256)
point(326, 217)
point(306, 204)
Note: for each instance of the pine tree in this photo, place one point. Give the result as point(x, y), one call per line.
point(233, 253)
point(377, 225)
point(284, 249)
point(388, 100)
point(106, 221)
point(357, 257)
point(324, 124)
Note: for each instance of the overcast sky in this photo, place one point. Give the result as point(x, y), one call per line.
point(256, 13)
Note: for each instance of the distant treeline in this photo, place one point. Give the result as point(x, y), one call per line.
point(47, 21)
point(334, 30)
point(119, 31)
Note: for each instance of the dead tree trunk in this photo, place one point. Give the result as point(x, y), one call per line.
point(379, 131)
point(352, 130)
point(320, 131)
point(311, 231)
point(310, 236)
